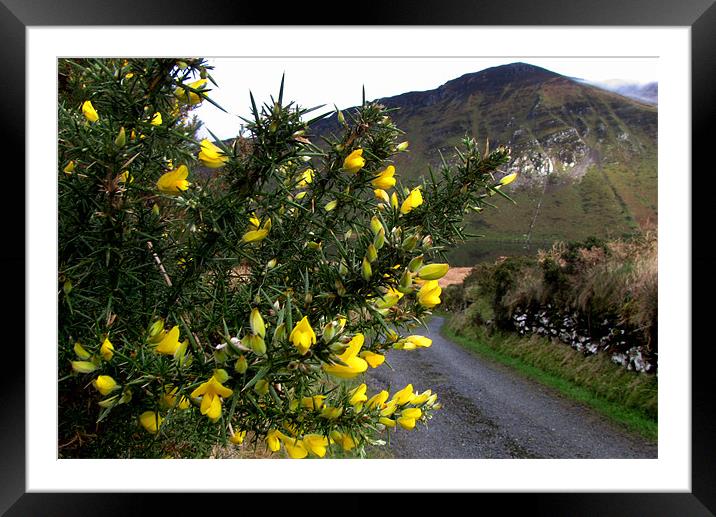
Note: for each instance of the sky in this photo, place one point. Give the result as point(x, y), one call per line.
point(314, 81)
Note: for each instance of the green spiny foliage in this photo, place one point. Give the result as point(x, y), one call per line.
point(194, 309)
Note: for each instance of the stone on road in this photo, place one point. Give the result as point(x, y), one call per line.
point(489, 411)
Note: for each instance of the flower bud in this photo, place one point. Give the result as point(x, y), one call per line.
point(261, 387)
point(331, 205)
point(379, 239)
point(402, 146)
point(366, 270)
point(375, 225)
point(83, 366)
point(410, 243)
point(241, 365)
point(81, 352)
point(280, 332)
point(180, 354)
point(257, 323)
point(433, 271)
point(329, 332)
point(257, 344)
point(415, 264)
point(381, 195)
point(427, 241)
point(394, 200)
point(340, 288)
point(121, 139)
point(406, 281)
point(271, 264)
point(221, 375)
point(372, 253)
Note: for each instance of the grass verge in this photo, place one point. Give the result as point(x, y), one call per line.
point(627, 398)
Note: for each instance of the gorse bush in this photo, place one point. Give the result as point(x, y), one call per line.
point(196, 308)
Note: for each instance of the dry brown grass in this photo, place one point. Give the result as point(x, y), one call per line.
point(246, 451)
point(454, 276)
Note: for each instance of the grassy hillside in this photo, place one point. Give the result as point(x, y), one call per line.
point(586, 157)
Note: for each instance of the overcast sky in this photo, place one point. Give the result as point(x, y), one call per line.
point(311, 82)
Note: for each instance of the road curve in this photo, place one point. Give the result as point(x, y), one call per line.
point(491, 412)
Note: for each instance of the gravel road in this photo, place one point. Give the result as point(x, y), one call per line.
point(491, 412)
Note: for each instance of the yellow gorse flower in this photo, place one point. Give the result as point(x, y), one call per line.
point(294, 446)
point(306, 178)
point(211, 155)
point(256, 234)
point(125, 177)
point(69, 167)
point(173, 182)
point(89, 112)
point(354, 161)
point(272, 440)
point(169, 399)
point(413, 342)
point(302, 336)
point(315, 444)
point(105, 384)
point(257, 324)
point(429, 294)
point(508, 179)
point(404, 396)
point(315, 402)
point(211, 393)
point(414, 200)
point(377, 400)
point(183, 94)
point(331, 413)
point(357, 395)
point(344, 440)
point(353, 365)
point(156, 119)
point(374, 360)
point(422, 397)
point(106, 350)
point(169, 343)
point(385, 178)
point(151, 421)
point(237, 437)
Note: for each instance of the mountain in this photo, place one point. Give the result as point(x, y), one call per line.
point(586, 157)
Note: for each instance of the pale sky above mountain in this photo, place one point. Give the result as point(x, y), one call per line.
point(315, 81)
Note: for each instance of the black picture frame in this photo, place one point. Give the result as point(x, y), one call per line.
point(699, 15)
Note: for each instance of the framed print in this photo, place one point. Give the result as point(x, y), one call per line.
point(678, 42)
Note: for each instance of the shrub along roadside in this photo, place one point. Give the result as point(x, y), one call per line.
point(625, 397)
